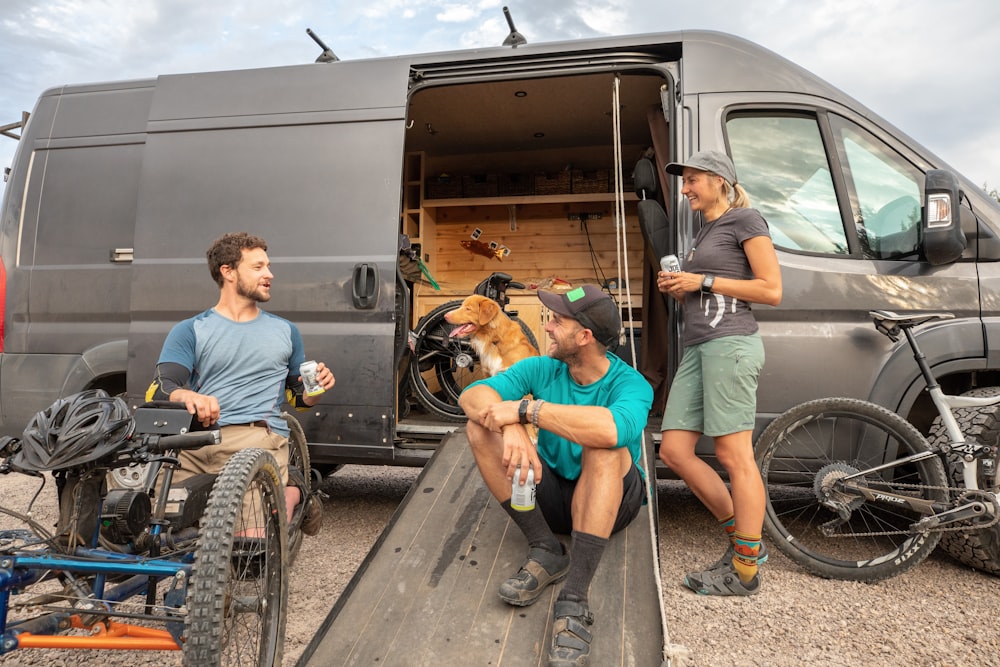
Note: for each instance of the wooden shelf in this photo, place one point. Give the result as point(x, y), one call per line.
point(525, 199)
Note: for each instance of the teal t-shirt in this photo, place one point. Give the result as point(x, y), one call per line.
point(623, 390)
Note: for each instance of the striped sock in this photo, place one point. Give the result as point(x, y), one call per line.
point(745, 560)
point(729, 525)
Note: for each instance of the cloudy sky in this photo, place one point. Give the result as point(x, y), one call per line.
point(928, 66)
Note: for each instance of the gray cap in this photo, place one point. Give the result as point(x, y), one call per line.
point(716, 162)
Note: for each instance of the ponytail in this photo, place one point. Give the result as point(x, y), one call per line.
point(735, 195)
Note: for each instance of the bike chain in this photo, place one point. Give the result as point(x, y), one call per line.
point(961, 492)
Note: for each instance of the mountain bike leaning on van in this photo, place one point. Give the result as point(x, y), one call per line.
point(856, 492)
point(199, 567)
point(442, 365)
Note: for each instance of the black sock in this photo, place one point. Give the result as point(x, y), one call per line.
point(585, 554)
point(535, 528)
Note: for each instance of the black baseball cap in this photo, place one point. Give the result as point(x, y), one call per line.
point(591, 307)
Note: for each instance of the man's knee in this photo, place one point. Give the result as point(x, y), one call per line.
point(598, 460)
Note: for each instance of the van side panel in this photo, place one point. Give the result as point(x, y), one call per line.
point(310, 159)
point(67, 251)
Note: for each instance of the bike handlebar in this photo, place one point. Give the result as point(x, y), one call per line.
point(158, 444)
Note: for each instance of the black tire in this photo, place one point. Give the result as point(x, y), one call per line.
point(298, 459)
point(976, 548)
point(802, 451)
point(237, 597)
point(442, 366)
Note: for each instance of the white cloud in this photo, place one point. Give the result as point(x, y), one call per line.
point(927, 66)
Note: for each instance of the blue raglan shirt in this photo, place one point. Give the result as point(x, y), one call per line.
point(245, 365)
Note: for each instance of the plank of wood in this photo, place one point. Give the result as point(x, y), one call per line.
point(427, 593)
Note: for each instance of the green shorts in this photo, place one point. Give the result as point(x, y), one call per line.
point(715, 389)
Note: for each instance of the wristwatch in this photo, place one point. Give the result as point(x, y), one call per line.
point(522, 411)
point(706, 283)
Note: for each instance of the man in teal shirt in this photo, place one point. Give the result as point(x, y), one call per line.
point(590, 409)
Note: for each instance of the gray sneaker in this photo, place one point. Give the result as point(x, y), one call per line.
point(727, 558)
point(723, 581)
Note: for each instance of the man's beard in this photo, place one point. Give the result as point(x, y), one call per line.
point(253, 293)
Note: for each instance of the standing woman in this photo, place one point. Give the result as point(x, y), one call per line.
point(731, 265)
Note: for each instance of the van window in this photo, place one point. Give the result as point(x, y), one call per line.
point(783, 166)
point(885, 193)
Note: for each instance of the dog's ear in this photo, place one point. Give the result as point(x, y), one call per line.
point(487, 311)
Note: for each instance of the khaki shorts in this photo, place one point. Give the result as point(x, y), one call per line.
point(715, 389)
point(213, 458)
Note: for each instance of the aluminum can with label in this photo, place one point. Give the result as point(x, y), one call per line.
point(670, 264)
point(522, 496)
point(308, 372)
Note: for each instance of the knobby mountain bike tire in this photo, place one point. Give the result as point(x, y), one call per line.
point(978, 548)
point(806, 450)
point(298, 458)
point(239, 582)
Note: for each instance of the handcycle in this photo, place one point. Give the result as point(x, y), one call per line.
point(856, 492)
point(442, 365)
point(200, 567)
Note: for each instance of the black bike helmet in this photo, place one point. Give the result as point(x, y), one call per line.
point(75, 430)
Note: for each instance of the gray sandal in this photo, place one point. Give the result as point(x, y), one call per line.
point(571, 634)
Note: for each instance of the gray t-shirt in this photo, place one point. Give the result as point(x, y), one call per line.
point(718, 249)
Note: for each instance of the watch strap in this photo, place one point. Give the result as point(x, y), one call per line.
point(522, 411)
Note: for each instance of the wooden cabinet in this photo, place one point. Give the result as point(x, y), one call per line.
point(570, 237)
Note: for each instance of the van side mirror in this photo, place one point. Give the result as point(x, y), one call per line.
point(942, 238)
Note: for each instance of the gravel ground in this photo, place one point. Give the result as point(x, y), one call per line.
point(941, 614)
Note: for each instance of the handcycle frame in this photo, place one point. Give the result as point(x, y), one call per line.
point(856, 492)
point(95, 579)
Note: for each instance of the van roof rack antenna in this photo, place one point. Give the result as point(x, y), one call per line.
point(514, 39)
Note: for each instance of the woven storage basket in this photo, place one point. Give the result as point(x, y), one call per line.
point(585, 182)
point(479, 185)
point(557, 183)
point(515, 184)
point(443, 187)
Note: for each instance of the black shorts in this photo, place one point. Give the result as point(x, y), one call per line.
point(554, 497)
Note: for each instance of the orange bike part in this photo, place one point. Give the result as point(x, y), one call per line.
point(108, 635)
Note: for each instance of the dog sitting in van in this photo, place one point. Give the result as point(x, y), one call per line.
point(498, 340)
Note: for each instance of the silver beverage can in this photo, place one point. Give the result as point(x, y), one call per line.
point(522, 496)
point(308, 372)
point(670, 264)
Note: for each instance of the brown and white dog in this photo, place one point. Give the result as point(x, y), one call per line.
point(498, 340)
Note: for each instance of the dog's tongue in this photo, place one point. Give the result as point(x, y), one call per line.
point(462, 330)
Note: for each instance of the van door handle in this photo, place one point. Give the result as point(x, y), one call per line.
point(365, 287)
point(122, 255)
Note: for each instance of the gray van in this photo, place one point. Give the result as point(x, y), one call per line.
point(116, 189)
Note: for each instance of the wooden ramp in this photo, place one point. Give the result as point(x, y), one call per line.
point(426, 595)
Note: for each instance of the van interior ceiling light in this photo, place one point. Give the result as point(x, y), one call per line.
point(327, 56)
point(514, 39)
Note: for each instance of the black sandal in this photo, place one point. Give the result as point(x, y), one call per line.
point(571, 635)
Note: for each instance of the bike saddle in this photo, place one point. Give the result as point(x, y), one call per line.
point(889, 323)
